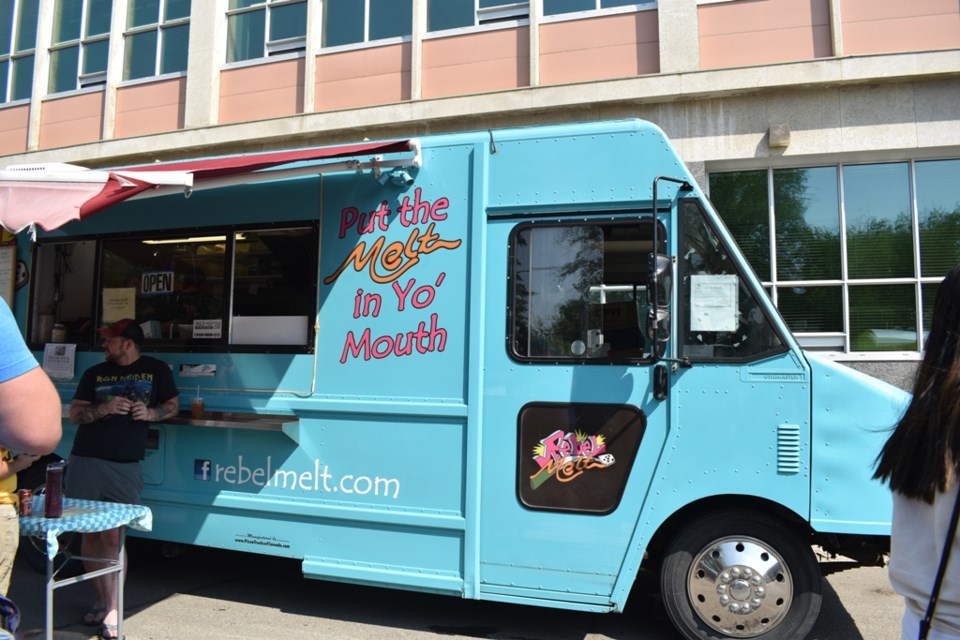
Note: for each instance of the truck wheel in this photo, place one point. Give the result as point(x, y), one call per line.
point(738, 574)
point(33, 549)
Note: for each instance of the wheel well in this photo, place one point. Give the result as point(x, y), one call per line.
point(676, 522)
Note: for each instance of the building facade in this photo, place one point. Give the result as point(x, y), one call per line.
point(827, 132)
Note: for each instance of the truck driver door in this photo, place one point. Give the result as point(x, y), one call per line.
point(571, 431)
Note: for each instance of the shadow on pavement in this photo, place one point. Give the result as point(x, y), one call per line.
point(210, 593)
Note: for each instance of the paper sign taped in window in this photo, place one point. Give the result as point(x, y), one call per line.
point(714, 302)
point(118, 303)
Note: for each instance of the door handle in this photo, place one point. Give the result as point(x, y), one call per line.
point(661, 382)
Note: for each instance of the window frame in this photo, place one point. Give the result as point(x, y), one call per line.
point(96, 80)
point(582, 220)
point(507, 14)
point(367, 40)
point(837, 345)
point(293, 47)
point(160, 27)
point(13, 56)
point(599, 10)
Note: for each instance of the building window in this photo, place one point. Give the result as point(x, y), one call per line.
point(81, 40)
point(18, 40)
point(262, 28)
point(352, 21)
point(835, 246)
point(157, 38)
point(555, 7)
point(456, 14)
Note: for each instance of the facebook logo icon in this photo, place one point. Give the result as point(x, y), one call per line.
point(201, 469)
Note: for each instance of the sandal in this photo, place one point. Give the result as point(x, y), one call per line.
point(95, 616)
point(111, 629)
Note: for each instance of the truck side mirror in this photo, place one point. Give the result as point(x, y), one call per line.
point(659, 295)
point(658, 326)
point(659, 280)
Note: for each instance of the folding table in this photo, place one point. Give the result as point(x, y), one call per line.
point(84, 516)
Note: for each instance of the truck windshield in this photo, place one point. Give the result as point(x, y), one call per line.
point(721, 316)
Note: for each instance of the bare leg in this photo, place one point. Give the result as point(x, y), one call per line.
point(90, 547)
point(103, 544)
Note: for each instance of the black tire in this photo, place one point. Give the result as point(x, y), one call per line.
point(740, 574)
point(33, 549)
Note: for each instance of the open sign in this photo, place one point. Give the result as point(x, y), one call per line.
point(154, 282)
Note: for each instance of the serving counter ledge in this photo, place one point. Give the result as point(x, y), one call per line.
point(236, 420)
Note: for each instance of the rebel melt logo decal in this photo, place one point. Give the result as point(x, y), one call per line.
point(564, 457)
point(576, 456)
point(391, 268)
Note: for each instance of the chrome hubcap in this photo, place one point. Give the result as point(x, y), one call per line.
point(739, 586)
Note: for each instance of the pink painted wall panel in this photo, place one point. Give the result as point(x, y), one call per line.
point(363, 77)
point(476, 63)
point(884, 27)
point(617, 46)
point(155, 107)
point(13, 129)
point(869, 10)
point(76, 119)
point(259, 92)
point(754, 32)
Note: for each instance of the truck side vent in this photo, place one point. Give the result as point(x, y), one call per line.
point(788, 449)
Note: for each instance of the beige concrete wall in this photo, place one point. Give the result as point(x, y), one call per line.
point(363, 77)
point(153, 107)
point(616, 46)
point(14, 123)
point(751, 32)
point(261, 91)
point(71, 120)
point(856, 122)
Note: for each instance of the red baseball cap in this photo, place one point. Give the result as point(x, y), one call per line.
point(126, 328)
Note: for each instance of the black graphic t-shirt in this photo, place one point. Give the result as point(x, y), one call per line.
point(120, 438)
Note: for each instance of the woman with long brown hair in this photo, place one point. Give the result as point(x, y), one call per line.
point(920, 460)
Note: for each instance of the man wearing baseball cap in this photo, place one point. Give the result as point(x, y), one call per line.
point(113, 406)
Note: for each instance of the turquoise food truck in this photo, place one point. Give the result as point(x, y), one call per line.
point(514, 365)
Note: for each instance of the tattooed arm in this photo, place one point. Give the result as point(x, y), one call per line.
point(163, 411)
point(83, 412)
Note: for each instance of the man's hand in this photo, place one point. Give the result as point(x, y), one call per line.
point(139, 411)
point(119, 405)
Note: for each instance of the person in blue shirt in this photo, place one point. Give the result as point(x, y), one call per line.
point(29, 423)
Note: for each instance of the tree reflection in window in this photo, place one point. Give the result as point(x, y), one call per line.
point(577, 290)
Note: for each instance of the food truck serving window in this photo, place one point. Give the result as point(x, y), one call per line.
point(211, 289)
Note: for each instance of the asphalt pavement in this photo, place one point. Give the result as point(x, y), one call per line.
point(220, 595)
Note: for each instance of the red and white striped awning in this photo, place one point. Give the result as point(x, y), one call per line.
point(51, 195)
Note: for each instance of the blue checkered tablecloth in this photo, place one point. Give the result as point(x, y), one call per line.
point(83, 516)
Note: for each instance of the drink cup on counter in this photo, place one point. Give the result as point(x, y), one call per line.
point(53, 493)
point(197, 408)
